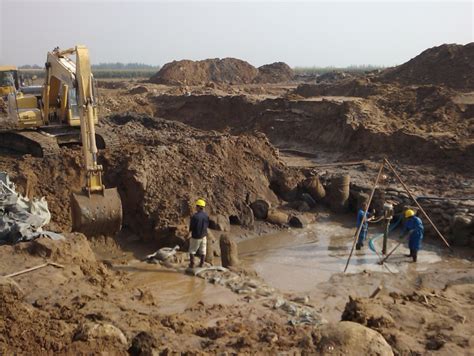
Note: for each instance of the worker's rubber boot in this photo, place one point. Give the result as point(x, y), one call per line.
point(415, 255)
point(359, 245)
point(203, 258)
point(191, 261)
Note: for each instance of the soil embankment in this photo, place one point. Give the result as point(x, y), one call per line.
point(220, 71)
point(451, 65)
point(160, 168)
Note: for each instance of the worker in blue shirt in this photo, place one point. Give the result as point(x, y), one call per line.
point(365, 226)
point(414, 229)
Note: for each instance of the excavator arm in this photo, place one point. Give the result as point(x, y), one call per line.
point(95, 210)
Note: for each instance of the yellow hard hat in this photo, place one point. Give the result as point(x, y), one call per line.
point(201, 203)
point(409, 213)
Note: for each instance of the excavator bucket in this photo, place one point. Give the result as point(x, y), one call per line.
point(96, 214)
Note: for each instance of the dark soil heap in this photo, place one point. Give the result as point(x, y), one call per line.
point(278, 72)
point(221, 71)
point(449, 64)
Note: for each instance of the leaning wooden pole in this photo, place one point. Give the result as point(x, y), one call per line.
point(365, 214)
point(416, 202)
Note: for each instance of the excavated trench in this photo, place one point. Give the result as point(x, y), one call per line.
point(355, 126)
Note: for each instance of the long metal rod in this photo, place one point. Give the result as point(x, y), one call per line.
point(390, 253)
point(365, 214)
point(416, 202)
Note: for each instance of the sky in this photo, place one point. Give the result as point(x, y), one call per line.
point(309, 33)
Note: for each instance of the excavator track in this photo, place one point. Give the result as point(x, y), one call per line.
point(43, 142)
point(29, 142)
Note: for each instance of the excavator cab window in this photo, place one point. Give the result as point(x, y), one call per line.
point(9, 79)
point(73, 105)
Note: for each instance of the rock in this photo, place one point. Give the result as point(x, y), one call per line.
point(260, 209)
point(93, 331)
point(246, 216)
point(143, 344)
point(338, 195)
point(349, 338)
point(315, 188)
point(299, 221)
point(211, 240)
point(219, 223)
point(229, 252)
point(462, 228)
point(361, 199)
point(309, 200)
point(366, 313)
point(277, 217)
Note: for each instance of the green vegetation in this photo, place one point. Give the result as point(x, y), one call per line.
point(351, 69)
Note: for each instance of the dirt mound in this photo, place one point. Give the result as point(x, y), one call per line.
point(346, 338)
point(405, 122)
point(160, 168)
point(438, 319)
point(166, 166)
point(28, 328)
point(187, 72)
point(221, 71)
point(278, 72)
point(449, 64)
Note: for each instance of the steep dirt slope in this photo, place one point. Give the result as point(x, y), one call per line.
point(424, 122)
point(449, 64)
point(160, 168)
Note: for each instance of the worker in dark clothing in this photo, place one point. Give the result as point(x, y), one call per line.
point(365, 226)
point(198, 231)
point(414, 229)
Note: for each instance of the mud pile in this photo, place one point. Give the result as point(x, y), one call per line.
point(187, 72)
point(439, 319)
point(449, 64)
point(221, 71)
point(278, 72)
point(160, 168)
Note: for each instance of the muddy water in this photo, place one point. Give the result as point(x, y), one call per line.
point(298, 260)
point(174, 291)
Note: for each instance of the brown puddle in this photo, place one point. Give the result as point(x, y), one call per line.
point(173, 291)
point(298, 260)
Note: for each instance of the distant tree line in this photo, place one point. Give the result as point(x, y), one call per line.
point(359, 68)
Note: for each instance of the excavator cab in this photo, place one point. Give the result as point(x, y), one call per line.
point(8, 80)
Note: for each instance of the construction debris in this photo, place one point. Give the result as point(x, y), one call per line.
point(21, 219)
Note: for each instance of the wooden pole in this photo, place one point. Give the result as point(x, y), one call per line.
point(390, 253)
point(416, 202)
point(33, 269)
point(365, 214)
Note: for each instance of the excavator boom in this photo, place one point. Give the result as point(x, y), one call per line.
point(95, 210)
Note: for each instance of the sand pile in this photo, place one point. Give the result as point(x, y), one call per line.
point(221, 71)
point(449, 64)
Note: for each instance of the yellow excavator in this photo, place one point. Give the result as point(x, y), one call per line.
point(65, 112)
